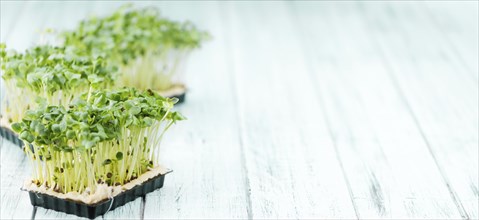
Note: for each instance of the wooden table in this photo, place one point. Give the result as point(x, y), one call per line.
point(302, 110)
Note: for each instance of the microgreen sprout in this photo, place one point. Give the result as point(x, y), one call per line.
point(149, 49)
point(106, 137)
point(48, 74)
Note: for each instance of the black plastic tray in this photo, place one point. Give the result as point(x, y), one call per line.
point(92, 211)
point(10, 136)
point(181, 97)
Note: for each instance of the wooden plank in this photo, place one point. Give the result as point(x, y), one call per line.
point(365, 162)
point(384, 153)
point(131, 210)
point(293, 168)
point(10, 11)
point(67, 15)
point(205, 153)
point(444, 111)
point(29, 25)
point(15, 169)
point(103, 8)
point(457, 23)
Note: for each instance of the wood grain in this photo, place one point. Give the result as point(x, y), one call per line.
point(361, 72)
point(456, 23)
point(15, 204)
point(10, 12)
point(287, 147)
point(451, 140)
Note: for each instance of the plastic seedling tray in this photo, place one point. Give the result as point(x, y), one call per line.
point(180, 97)
point(178, 91)
point(10, 136)
point(92, 211)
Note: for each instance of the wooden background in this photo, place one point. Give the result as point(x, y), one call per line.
point(302, 110)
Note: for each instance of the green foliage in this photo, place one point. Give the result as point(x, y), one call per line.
point(53, 75)
point(51, 69)
point(83, 135)
point(129, 33)
point(99, 133)
point(146, 46)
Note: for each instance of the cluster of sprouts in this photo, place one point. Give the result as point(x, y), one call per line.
point(106, 137)
point(91, 108)
point(150, 50)
point(54, 75)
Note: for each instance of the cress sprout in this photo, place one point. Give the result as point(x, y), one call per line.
point(149, 49)
point(106, 137)
point(49, 74)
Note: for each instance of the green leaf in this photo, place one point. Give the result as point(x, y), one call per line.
point(148, 121)
point(70, 134)
point(22, 68)
point(27, 136)
point(56, 128)
point(87, 144)
point(134, 110)
point(40, 129)
point(17, 126)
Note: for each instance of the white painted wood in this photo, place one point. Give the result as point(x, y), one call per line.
point(205, 153)
point(10, 11)
point(365, 162)
point(48, 214)
point(446, 112)
point(102, 8)
point(14, 169)
point(395, 176)
point(27, 28)
point(457, 22)
point(66, 15)
point(293, 168)
point(131, 210)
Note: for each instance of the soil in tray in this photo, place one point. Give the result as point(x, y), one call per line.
point(92, 211)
